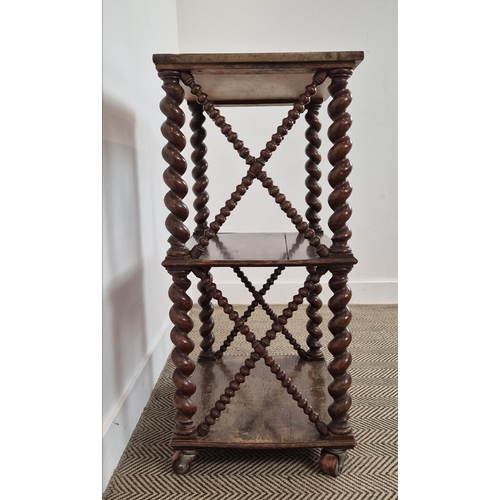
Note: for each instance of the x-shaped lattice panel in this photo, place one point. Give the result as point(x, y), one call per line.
point(260, 346)
point(256, 164)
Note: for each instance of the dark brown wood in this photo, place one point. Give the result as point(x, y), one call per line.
point(262, 414)
point(255, 169)
point(200, 167)
point(251, 308)
point(171, 130)
point(293, 114)
point(184, 365)
point(338, 347)
point(267, 309)
point(260, 351)
point(207, 322)
point(315, 319)
point(255, 79)
point(301, 225)
point(337, 156)
point(259, 400)
point(221, 217)
point(272, 250)
point(312, 168)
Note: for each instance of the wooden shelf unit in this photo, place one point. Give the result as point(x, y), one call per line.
point(232, 401)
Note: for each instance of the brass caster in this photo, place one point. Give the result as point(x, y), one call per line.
point(181, 461)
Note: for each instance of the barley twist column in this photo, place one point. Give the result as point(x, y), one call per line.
point(207, 321)
point(337, 156)
point(314, 158)
point(199, 169)
point(184, 365)
point(337, 346)
point(315, 320)
point(171, 130)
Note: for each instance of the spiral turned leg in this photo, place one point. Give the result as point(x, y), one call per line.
point(171, 130)
point(315, 319)
point(312, 167)
point(184, 365)
point(341, 166)
point(207, 322)
point(337, 346)
point(199, 169)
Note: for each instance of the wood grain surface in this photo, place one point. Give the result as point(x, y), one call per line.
point(262, 414)
point(256, 78)
point(259, 249)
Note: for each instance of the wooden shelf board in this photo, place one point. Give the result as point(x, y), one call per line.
point(256, 78)
point(260, 250)
point(258, 61)
point(262, 414)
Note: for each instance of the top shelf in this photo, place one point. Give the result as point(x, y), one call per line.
point(257, 78)
point(273, 62)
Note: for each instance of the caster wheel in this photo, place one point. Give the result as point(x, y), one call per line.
point(331, 461)
point(181, 462)
point(329, 464)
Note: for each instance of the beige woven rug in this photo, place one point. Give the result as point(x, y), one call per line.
point(370, 472)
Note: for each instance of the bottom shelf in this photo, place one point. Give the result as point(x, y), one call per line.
point(262, 414)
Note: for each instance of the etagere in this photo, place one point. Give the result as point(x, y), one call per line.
point(268, 414)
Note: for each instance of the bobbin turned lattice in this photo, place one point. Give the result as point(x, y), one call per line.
point(206, 389)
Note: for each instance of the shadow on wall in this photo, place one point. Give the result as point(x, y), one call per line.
point(124, 325)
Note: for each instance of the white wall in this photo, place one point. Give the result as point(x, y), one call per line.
point(301, 26)
point(135, 303)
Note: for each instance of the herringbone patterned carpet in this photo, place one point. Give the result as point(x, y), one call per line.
point(370, 472)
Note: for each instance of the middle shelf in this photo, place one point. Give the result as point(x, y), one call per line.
point(260, 249)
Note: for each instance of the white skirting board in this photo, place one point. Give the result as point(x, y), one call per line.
point(121, 421)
